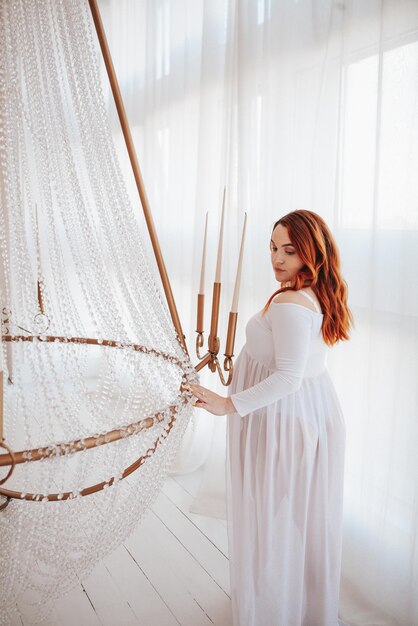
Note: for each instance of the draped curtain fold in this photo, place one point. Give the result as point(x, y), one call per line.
point(296, 104)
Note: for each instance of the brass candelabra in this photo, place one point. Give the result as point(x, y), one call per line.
point(211, 357)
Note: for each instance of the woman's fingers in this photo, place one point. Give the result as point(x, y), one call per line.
point(209, 400)
point(203, 396)
point(198, 388)
point(200, 392)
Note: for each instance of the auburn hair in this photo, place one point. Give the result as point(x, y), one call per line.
point(318, 251)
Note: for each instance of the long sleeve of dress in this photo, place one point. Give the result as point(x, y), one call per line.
point(291, 333)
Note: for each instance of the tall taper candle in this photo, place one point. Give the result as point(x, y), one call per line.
point(202, 271)
point(234, 307)
point(221, 236)
point(201, 294)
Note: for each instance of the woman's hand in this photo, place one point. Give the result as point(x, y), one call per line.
point(211, 401)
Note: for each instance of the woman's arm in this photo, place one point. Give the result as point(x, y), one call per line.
point(291, 330)
point(291, 334)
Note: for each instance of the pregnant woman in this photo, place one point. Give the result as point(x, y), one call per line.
point(286, 438)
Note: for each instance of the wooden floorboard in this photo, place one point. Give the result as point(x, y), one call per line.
point(193, 594)
point(173, 571)
point(109, 602)
point(191, 539)
point(214, 529)
point(190, 482)
point(143, 597)
point(75, 606)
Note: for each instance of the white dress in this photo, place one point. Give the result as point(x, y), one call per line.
point(286, 467)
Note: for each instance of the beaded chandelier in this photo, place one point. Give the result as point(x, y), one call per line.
point(95, 402)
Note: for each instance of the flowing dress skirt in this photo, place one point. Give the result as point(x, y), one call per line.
point(285, 496)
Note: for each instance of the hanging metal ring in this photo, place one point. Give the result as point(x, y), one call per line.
point(12, 464)
point(5, 504)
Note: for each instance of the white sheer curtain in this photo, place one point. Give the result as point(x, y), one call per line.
point(297, 104)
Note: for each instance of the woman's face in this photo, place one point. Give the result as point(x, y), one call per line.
point(285, 260)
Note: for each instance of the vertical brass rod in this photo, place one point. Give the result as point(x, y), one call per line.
point(230, 338)
point(135, 168)
point(213, 337)
point(200, 312)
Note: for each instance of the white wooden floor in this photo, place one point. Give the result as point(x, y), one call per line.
point(173, 570)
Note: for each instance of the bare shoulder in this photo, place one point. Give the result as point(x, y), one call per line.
point(289, 297)
point(298, 297)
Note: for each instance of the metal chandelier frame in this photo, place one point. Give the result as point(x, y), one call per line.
point(11, 458)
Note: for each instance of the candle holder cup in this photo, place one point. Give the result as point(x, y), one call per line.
point(211, 357)
point(200, 315)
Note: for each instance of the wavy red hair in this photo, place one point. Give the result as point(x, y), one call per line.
point(318, 251)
